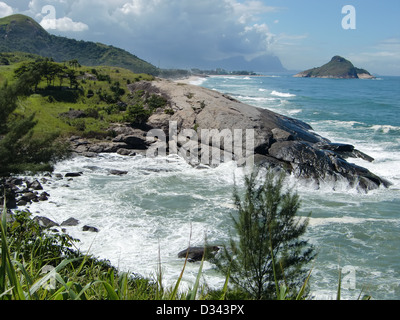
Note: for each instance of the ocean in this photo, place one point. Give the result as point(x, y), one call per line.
point(147, 216)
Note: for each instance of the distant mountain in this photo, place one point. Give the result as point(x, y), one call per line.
point(264, 63)
point(337, 68)
point(22, 33)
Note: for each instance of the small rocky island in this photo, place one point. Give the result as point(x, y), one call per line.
point(337, 68)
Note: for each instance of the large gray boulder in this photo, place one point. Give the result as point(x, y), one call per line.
point(194, 254)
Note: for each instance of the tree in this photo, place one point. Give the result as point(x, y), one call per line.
point(74, 63)
point(269, 250)
point(32, 73)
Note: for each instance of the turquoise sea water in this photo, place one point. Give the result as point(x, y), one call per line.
point(162, 204)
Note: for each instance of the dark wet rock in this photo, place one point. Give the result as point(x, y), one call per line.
point(35, 185)
point(126, 152)
point(118, 172)
point(73, 174)
point(44, 196)
point(90, 229)
point(196, 253)
point(71, 222)
point(281, 135)
point(132, 141)
point(22, 203)
point(45, 222)
point(30, 196)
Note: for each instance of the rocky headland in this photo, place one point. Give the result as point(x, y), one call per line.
point(200, 116)
point(337, 68)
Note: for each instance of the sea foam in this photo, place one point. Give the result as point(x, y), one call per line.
point(282, 94)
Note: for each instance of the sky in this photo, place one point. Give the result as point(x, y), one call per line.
point(185, 33)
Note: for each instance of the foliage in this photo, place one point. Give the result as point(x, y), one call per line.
point(137, 114)
point(19, 150)
point(40, 265)
point(100, 92)
point(32, 73)
point(269, 251)
point(143, 105)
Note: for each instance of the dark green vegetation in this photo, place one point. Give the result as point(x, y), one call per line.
point(40, 265)
point(19, 149)
point(338, 67)
point(41, 100)
point(143, 105)
point(270, 255)
point(21, 33)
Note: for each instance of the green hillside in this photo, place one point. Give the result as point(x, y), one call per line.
point(22, 33)
point(100, 92)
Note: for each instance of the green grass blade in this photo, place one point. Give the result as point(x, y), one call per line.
point(303, 288)
point(123, 286)
point(225, 288)
point(193, 292)
point(82, 290)
point(283, 292)
point(28, 278)
point(175, 291)
point(7, 265)
point(339, 290)
point(3, 227)
point(112, 295)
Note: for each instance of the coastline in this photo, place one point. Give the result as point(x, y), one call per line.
point(193, 80)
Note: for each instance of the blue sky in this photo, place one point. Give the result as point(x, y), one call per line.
point(182, 33)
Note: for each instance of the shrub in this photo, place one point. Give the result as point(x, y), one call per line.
point(156, 101)
point(270, 251)
point(137, 114)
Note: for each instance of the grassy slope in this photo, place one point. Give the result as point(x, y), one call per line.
point(48, 111)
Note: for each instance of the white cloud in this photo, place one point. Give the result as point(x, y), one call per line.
point(64, 25)
point(5, 10)
point(181, 31)
point(384, 57)
point(207, 29)
point(137, 7)
point(249, 10)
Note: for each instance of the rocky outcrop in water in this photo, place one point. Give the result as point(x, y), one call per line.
point(337, 68)
point(194, 254)
point(209, 127)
